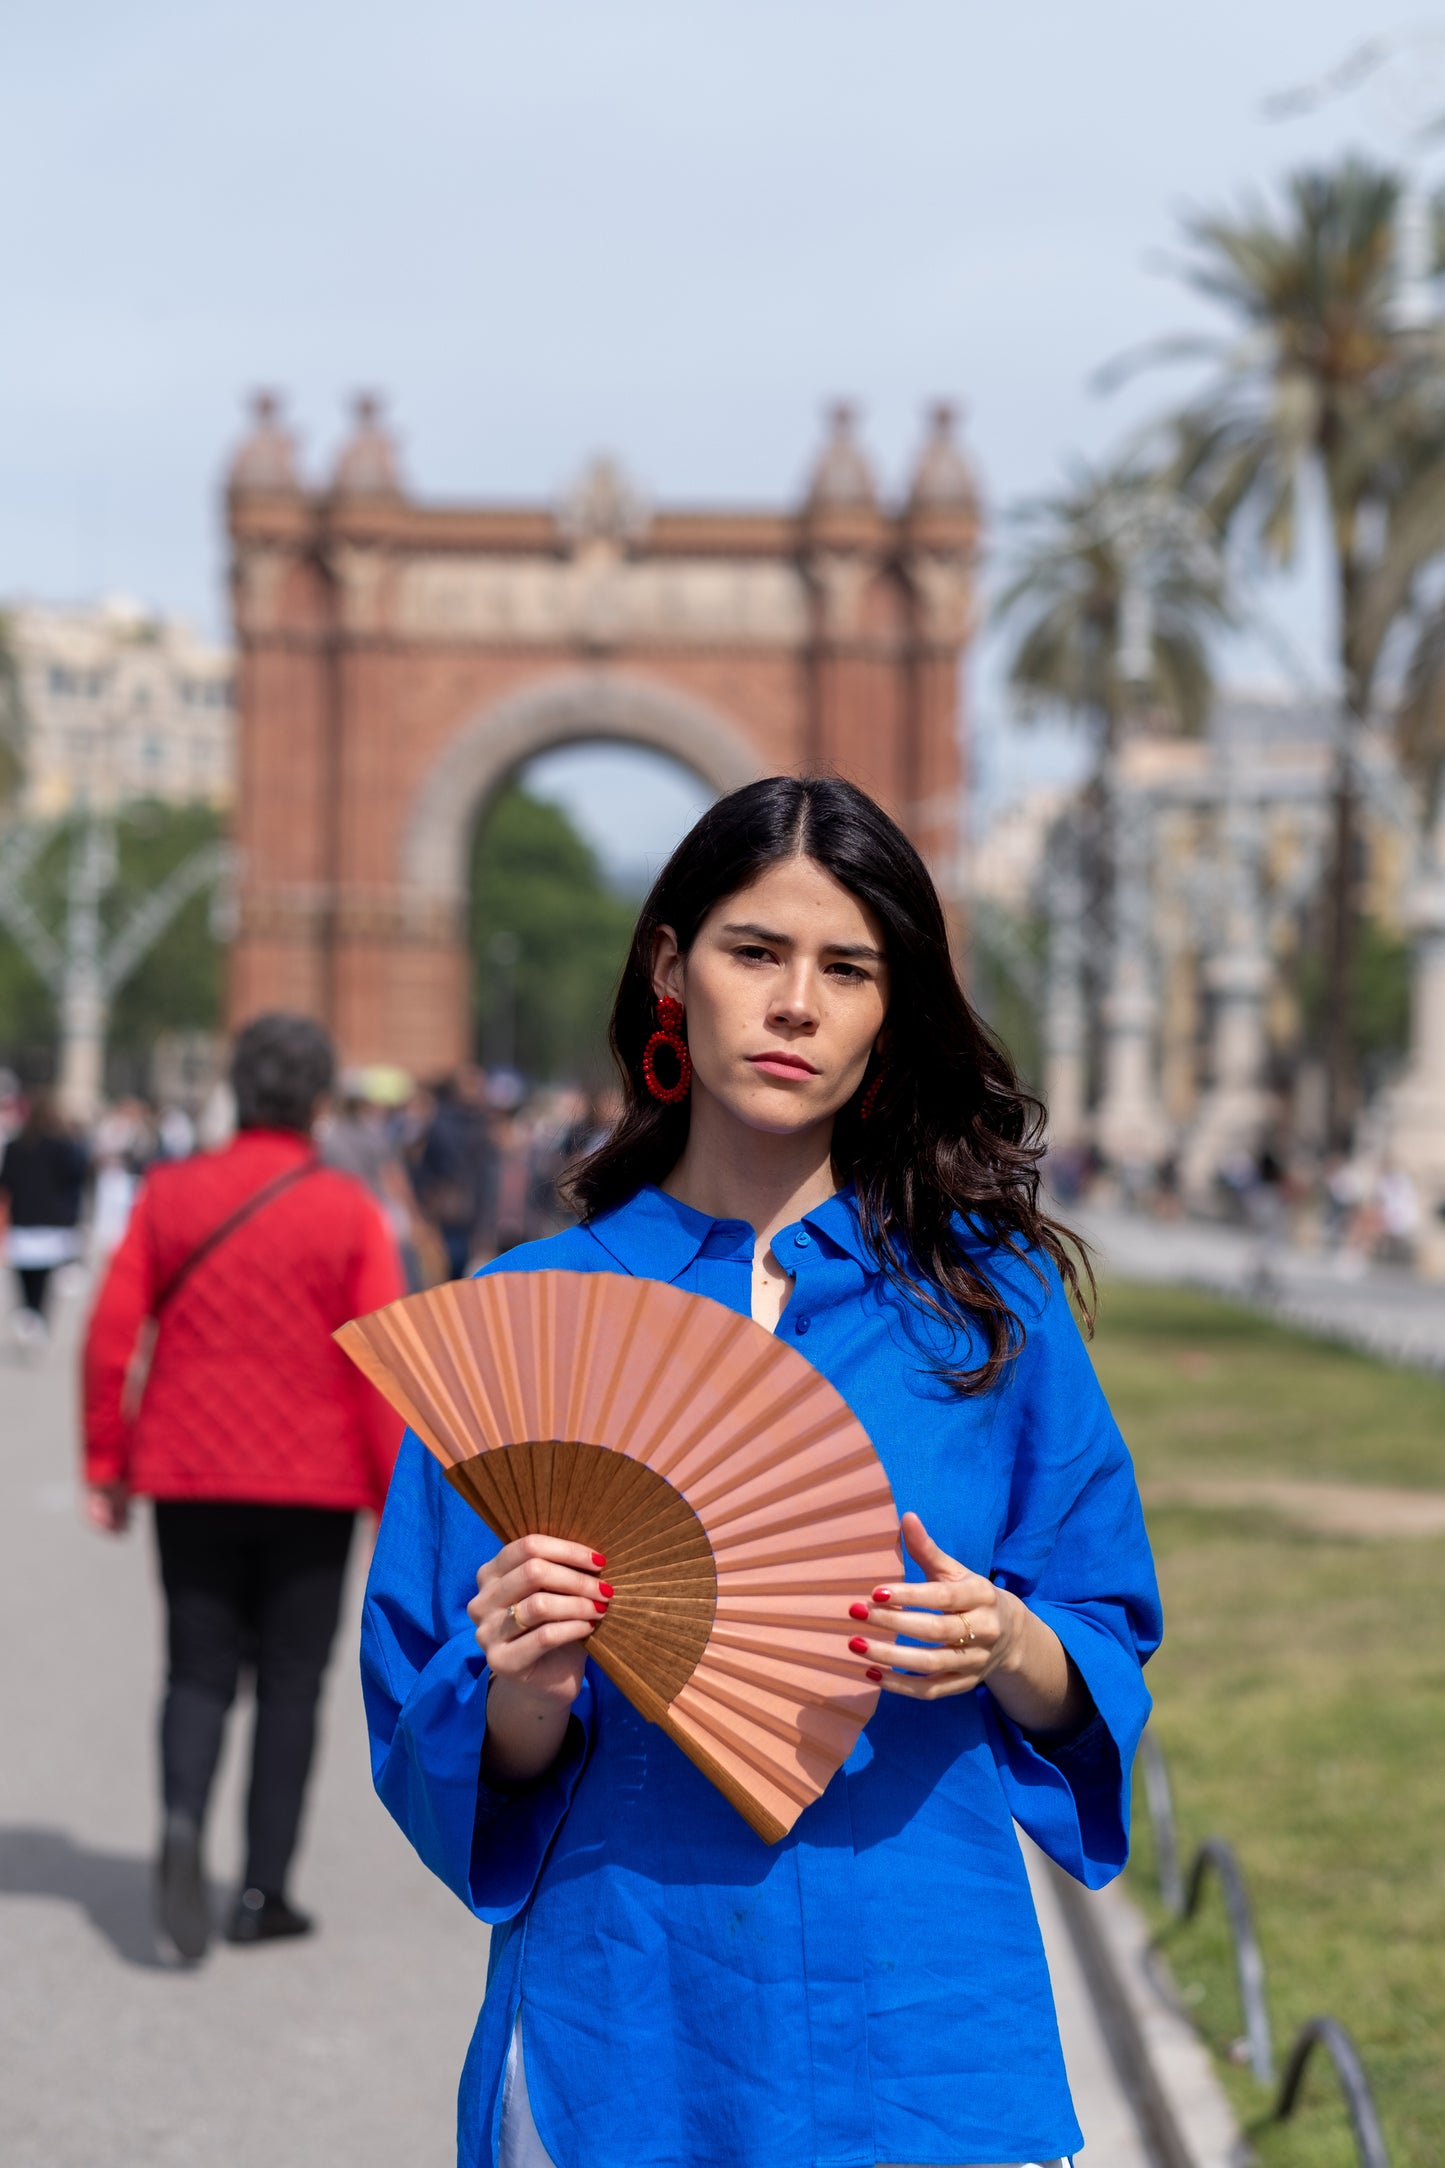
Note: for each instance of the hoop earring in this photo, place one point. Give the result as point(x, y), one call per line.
point(870, 1098)
point(668, 1034)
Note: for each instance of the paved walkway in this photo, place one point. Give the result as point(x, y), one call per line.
point(1361, 1510)
point(1381, 1308)
point(346, 2048)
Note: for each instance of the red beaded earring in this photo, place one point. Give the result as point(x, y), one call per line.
point(870, 1098)
point(668, 1034)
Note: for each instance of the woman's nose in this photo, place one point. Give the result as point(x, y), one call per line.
point(794, 1002)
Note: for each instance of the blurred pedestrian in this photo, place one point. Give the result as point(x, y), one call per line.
point(124, 1144)
point(42, 1184)
point(456, 1169)
point(360, 1140)
point(258, 1443)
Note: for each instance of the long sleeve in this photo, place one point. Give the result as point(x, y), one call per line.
point(1076, 1551)
point(425, 1685)
point(121, 1309)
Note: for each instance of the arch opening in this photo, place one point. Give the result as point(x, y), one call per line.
point(560, 857)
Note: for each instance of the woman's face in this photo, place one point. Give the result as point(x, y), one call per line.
point(785, 990)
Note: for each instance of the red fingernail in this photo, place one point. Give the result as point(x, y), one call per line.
point(598, 1606)
point(883, 1595)
point(874, 1674)
point(603, 1589)
point(598, 1559)
point(858, 1645)
point(857, 1610)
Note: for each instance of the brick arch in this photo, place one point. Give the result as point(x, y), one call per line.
point(398, 659)
point(571, 708)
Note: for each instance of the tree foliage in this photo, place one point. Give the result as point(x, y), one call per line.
point(534, 877)
point(1074, 555)
point(1317, 378)
point(177, 987)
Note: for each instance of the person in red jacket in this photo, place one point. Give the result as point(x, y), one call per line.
point(258, 1441)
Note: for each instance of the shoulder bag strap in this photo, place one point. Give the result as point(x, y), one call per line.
point(248, 1209)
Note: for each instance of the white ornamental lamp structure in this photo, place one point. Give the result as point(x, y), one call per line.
point(82, 961)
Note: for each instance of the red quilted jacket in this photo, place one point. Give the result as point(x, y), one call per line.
point(247, 1395)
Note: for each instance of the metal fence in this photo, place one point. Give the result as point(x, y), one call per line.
point(1182, 1895)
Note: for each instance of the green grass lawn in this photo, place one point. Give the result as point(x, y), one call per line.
point(1202, 1386)
point(1299, 1698)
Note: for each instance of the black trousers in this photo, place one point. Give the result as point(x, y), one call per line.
point(34, 1287)
point(259, 1585)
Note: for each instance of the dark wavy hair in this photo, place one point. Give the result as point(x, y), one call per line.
point(953, 1131)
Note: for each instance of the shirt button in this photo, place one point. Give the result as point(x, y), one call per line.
point(801, 1327)
point(802, 1238)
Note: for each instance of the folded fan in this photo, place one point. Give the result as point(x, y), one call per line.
point(737, 1498)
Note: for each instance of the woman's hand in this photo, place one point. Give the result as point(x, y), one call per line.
point(970, 1631)
point(537, 1604)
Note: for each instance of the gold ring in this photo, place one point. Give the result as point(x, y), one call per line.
point(972, 1636)
point(512, 1618)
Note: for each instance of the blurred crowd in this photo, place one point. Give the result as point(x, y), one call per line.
point(1357, 1209)
point(471, 1164)
point(463, 1168)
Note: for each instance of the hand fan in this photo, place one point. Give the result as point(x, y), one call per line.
point(738, 1501)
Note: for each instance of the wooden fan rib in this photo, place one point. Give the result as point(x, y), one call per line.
point(769, 1689)
point(820, 1651)
point(724, 1428)
point(654, 1426)
point(498, 1356)
point(784, 1615)
point(768, 1811)
point(772, 1447)
point(795, 1724)
point(783, 1506)
point(581, 1379)
point(410, 1406)
point(644, 1512)
point(801, 1771)
point(743, 1557)
point(776, 1386)
point(845, 1464)
point(629, 1306)
point(821, 1689)
point(405, 1363)
point(665, 1659)
point(430, 1343)
point(774, 1743)
point(435, 1342)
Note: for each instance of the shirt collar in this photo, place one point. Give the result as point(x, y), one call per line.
point(656, 1237)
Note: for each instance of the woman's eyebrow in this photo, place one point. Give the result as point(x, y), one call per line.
point(784, 940)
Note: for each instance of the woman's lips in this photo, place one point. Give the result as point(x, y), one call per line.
point(782, 1064)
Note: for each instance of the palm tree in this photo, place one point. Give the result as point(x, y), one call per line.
point(1114, 588)
point(1318, 387)
point(1114, 591)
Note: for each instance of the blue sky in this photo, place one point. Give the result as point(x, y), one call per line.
point(667, 228)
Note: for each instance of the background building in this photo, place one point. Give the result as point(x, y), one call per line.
point(117, 706)
point(400, 661)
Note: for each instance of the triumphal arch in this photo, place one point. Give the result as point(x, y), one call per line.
point(399, 660)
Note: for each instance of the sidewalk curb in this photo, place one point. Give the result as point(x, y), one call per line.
point(1163, 2066)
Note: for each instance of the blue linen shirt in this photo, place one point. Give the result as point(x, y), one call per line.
point(874, 1987)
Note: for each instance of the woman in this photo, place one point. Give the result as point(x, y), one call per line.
point(42, 1184)
point(259, 1445)
point(851, 1160)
